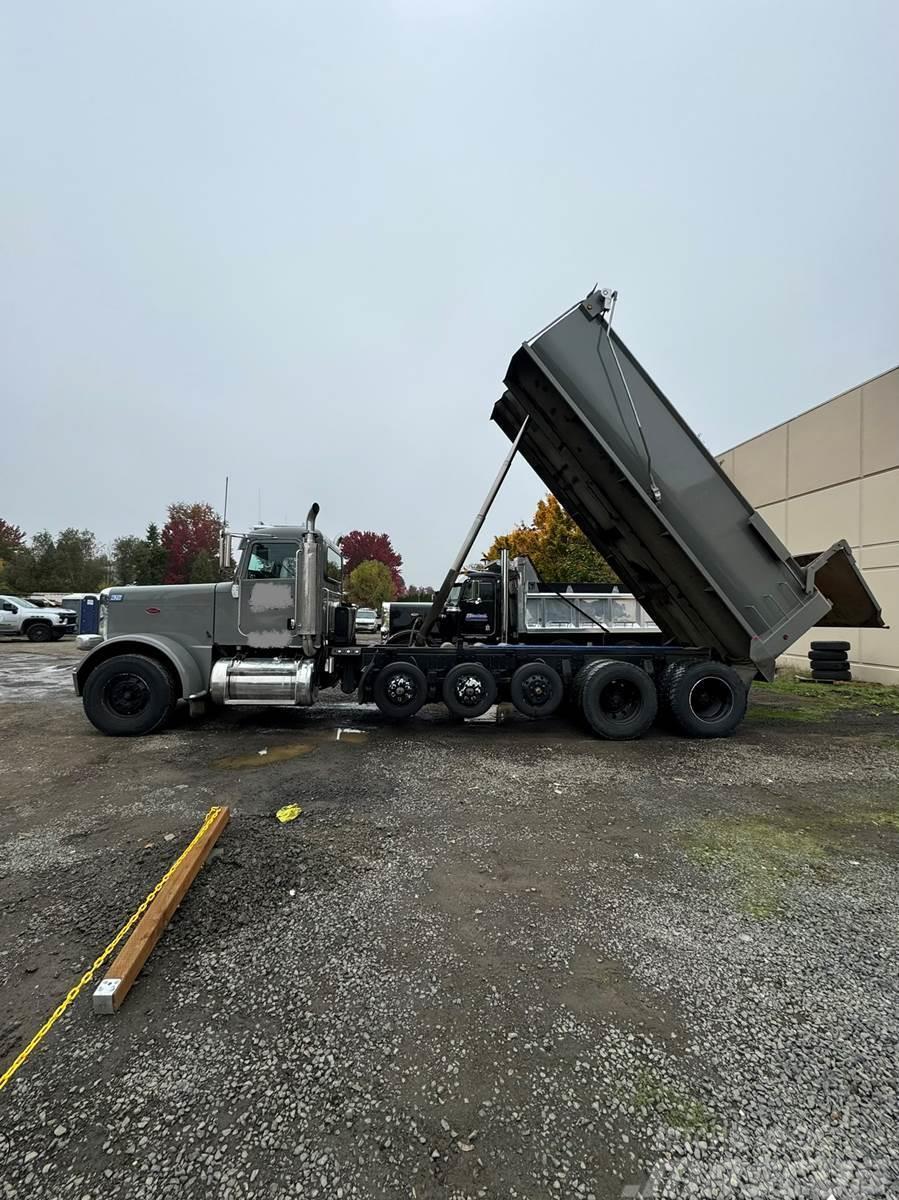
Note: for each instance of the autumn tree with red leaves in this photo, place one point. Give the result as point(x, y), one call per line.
point(360, 546)
point(190, 538)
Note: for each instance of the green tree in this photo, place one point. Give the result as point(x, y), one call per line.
point(370, 584)
point(152, 558)
point(68, 563)
point(19, 575)
point(127, 557)
point(43, 554)
point(12, 545)
point(204, 568)
point(77, 565)
point(556, 546)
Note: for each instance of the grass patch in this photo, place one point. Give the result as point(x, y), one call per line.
point(769, 712)
point(885, 817)
point(764, 855)
point(840, 697)
point(673, 1102)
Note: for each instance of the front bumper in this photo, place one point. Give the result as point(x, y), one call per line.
point(87, 641)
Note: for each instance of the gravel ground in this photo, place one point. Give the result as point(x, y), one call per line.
point(488, 960)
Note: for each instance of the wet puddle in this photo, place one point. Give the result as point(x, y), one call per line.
point(264, 758)
point(351, 735)
point(277, 754)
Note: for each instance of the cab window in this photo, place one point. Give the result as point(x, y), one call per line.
point(272, 560)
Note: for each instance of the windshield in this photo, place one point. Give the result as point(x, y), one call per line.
point(20, 602)
point(365, 612)
point(455, 594)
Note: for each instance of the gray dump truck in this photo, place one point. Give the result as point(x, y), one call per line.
point(726, 594)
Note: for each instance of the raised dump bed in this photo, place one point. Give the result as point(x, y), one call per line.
point(645, 491)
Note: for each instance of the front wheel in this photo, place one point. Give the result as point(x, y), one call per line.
point(39, 632)
point(129, 696)
point(58, 635)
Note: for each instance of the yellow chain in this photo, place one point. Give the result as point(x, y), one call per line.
point(98, 963)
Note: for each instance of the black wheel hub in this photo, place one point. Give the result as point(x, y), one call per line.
point(537, 689)
point(400, 689)
point(620, 700)
point(711, 699)
point(127, 695)
point(469, 690)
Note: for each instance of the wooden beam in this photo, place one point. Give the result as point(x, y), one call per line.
point(116, 984)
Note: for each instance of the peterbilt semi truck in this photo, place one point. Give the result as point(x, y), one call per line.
point(507, 601)
point(727, 595)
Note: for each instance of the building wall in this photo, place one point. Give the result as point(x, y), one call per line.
point(831, 473)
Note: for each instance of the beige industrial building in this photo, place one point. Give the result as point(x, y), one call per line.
point(831, 473)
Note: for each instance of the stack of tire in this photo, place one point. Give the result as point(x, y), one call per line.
point(830, 662)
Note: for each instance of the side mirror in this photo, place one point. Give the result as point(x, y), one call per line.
point(226, 544)
point(13, 608)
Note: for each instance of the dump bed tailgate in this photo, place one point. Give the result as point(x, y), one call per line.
point(610, 447)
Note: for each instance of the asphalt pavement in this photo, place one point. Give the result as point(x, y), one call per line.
point(497, 959)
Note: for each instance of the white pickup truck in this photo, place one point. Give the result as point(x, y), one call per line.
point(21, 618)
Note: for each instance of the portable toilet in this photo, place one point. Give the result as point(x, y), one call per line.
point(87, 611)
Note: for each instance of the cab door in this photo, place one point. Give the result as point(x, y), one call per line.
point(267, 605)
point(478, 605)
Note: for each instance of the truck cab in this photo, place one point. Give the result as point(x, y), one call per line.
point(264, 637)
point(473, 610)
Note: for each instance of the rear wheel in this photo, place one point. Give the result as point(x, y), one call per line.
point(705, 699)
point(617, 700)
point(469, 690)
point(400, 690)
point(129, 696)
point(39, 631)
point(536, 690)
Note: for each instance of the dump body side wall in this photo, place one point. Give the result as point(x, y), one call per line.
point(706, 566)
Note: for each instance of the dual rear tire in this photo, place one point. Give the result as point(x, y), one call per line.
point(615, 700)
point(618, 700)
point(702, 699)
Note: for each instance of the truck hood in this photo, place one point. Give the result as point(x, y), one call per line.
point(183, 609)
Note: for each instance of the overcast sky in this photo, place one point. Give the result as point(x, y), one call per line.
point(299, 243)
